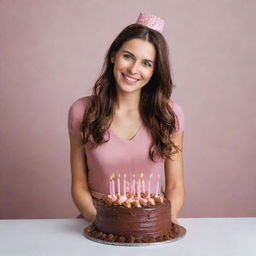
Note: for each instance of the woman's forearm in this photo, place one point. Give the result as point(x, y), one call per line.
point(176, 195)
point(84, 203)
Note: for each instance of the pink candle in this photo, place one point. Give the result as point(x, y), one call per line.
point(113, 184)
point(157, 184)
point(133, 184)
point(125, 184)
point(128, 188)
point(110, 186)
point(138, 188)
point(118, 184)
point(143, 183)
point(149, 185)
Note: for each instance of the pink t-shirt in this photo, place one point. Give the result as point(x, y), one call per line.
point(119, 156)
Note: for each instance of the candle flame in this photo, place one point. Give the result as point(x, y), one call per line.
point(119, 175)
point(133, 175)
point(141, 175)
point(151, 175)
point(125, 175)
point(113, 175)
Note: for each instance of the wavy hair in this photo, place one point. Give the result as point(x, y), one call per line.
point(155, 111)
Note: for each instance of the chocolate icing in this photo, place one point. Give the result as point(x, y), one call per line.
point(151, 223)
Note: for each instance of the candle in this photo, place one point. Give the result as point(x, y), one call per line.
point(110, 187)
point(138, 188)
point(118, 184)
point(157, 184)
point(143, 183)
point(125, 184)
point(149, 184)
point(113, 184)
point(133, 184)
point(128, 188)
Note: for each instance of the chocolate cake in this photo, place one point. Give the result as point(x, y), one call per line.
point(134, 220)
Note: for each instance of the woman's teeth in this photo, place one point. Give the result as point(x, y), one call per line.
point(129, 80)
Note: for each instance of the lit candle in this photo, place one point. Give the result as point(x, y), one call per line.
point(118, 184)
point(138, 188)
point(113, 185)
point(149, 184)
point(110, 187)
point(157, 185)
point(125, 184)
point(143, 183)
point(133, 184)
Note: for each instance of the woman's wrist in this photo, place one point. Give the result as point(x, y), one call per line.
point(174, 219)
point(90, 217)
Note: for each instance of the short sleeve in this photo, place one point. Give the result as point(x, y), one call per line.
point(75, 115)
point(180, 117)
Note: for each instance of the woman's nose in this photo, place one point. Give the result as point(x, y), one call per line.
point(134, 68)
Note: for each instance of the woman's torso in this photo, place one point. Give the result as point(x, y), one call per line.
point(125, 153)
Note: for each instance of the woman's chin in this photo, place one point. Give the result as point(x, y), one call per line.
point(128, 89)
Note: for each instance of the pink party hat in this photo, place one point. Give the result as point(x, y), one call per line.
point(151, 21)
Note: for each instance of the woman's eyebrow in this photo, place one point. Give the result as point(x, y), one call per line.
point(133, 55)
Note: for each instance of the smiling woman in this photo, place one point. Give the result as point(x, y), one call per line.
point(129, 125)
point(132, 65)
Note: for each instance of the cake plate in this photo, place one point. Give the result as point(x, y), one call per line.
point(181, 234)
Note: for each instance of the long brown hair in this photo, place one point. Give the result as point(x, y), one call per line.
point(155, 110)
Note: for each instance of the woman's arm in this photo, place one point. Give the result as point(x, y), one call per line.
point(174, 178)
point(79, 189)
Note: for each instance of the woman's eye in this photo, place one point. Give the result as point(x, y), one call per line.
point(127, 56)
point(147, 64)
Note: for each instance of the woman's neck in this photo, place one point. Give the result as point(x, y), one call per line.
point(127, 102)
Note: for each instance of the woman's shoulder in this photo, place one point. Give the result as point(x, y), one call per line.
point(76, 112)
point(179, 112)
point(176, 107)
point(81, 102)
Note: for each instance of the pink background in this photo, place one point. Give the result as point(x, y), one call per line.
point(51, 53)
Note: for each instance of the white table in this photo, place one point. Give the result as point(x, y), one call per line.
point(205, 236)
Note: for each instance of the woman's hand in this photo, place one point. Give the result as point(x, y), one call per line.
point(90, 218)
point(174, 220)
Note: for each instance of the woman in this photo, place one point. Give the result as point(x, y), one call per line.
point(129, 125)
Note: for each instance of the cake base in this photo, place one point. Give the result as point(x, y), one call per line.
point(92, 234)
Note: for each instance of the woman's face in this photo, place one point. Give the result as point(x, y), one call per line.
point(134, 65)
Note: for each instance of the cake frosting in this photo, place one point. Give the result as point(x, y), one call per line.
point(133, 219)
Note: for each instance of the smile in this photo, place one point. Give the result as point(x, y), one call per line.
point(129, 79)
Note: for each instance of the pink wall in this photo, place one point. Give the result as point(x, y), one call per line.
point(51, 53)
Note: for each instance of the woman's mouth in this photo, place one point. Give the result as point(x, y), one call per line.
point(129, 80)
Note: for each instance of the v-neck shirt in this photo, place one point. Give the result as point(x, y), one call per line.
point(117, 155)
